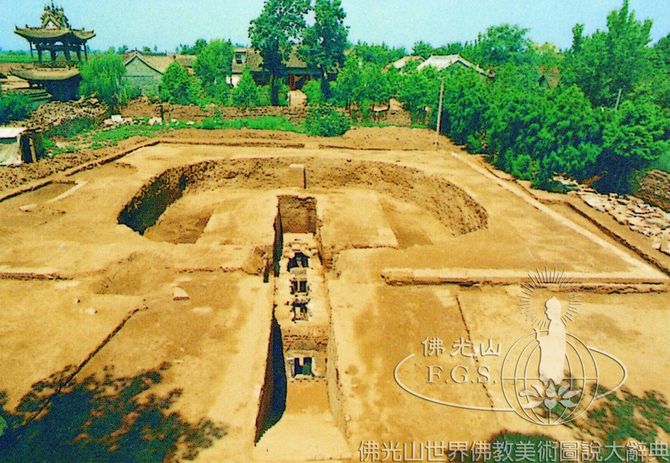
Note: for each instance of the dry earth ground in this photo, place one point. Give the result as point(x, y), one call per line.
point(79, 288)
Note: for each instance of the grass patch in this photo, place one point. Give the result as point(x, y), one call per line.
point(256, 123)
point(370, 123)
point(52, 149)
point(123, 132)
point(15, 57)
point(85, 134)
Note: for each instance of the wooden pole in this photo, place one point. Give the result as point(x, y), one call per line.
point(439, 116)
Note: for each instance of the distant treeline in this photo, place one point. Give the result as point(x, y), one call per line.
point(598, 111)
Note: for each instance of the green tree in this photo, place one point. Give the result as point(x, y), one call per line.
point(104, 77)
point(547, 55)
point(380, 55)
point(422, 49)
point(417, 91)
point(609, 65)
point(634, 138)
point(246, 94)
point(662, 48)
point(274, 34)
point(452, 48)
point(213, 67)
point(501, 44)
point(324, 42)
point(466, 96)
point(571, 139)
point(348, 80)
point(577, 38)
point(194, 49)
point(176, 85)
point(373, 87)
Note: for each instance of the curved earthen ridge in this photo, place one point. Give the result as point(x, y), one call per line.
point(451, 205)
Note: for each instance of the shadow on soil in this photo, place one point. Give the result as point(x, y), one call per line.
point(279, 389)
point(623, 417)
point(608, 431)
point(107, 419)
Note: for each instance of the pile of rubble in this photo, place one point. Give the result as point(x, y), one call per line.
point(54, 114)
point(654, 188)
point(116, 119)
point(650, 221)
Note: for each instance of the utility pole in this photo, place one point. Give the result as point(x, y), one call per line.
point(439, 116)
point(618, 100)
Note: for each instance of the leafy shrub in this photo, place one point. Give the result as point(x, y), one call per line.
point(104, 77)
point(269, 123)
point(213, 67)
point(634, 139)
point(14, 107)
point(246, 94)
point(312, 90)
point(522, 167)
point(284, 90)
point(474, 143)
point(212, 123)
point(265, 94)
point(176, 86)
point(326, 121)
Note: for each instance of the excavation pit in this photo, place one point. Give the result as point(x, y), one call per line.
point(453, 236)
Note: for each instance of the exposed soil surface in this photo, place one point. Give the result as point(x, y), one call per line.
point(141, 285)
point(396, 138)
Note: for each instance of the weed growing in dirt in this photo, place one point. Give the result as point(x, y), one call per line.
point(73, 128)
point(123, 132)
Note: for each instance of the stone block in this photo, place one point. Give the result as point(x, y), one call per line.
point(179, 294)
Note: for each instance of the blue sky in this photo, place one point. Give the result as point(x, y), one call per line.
point(166, 23)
